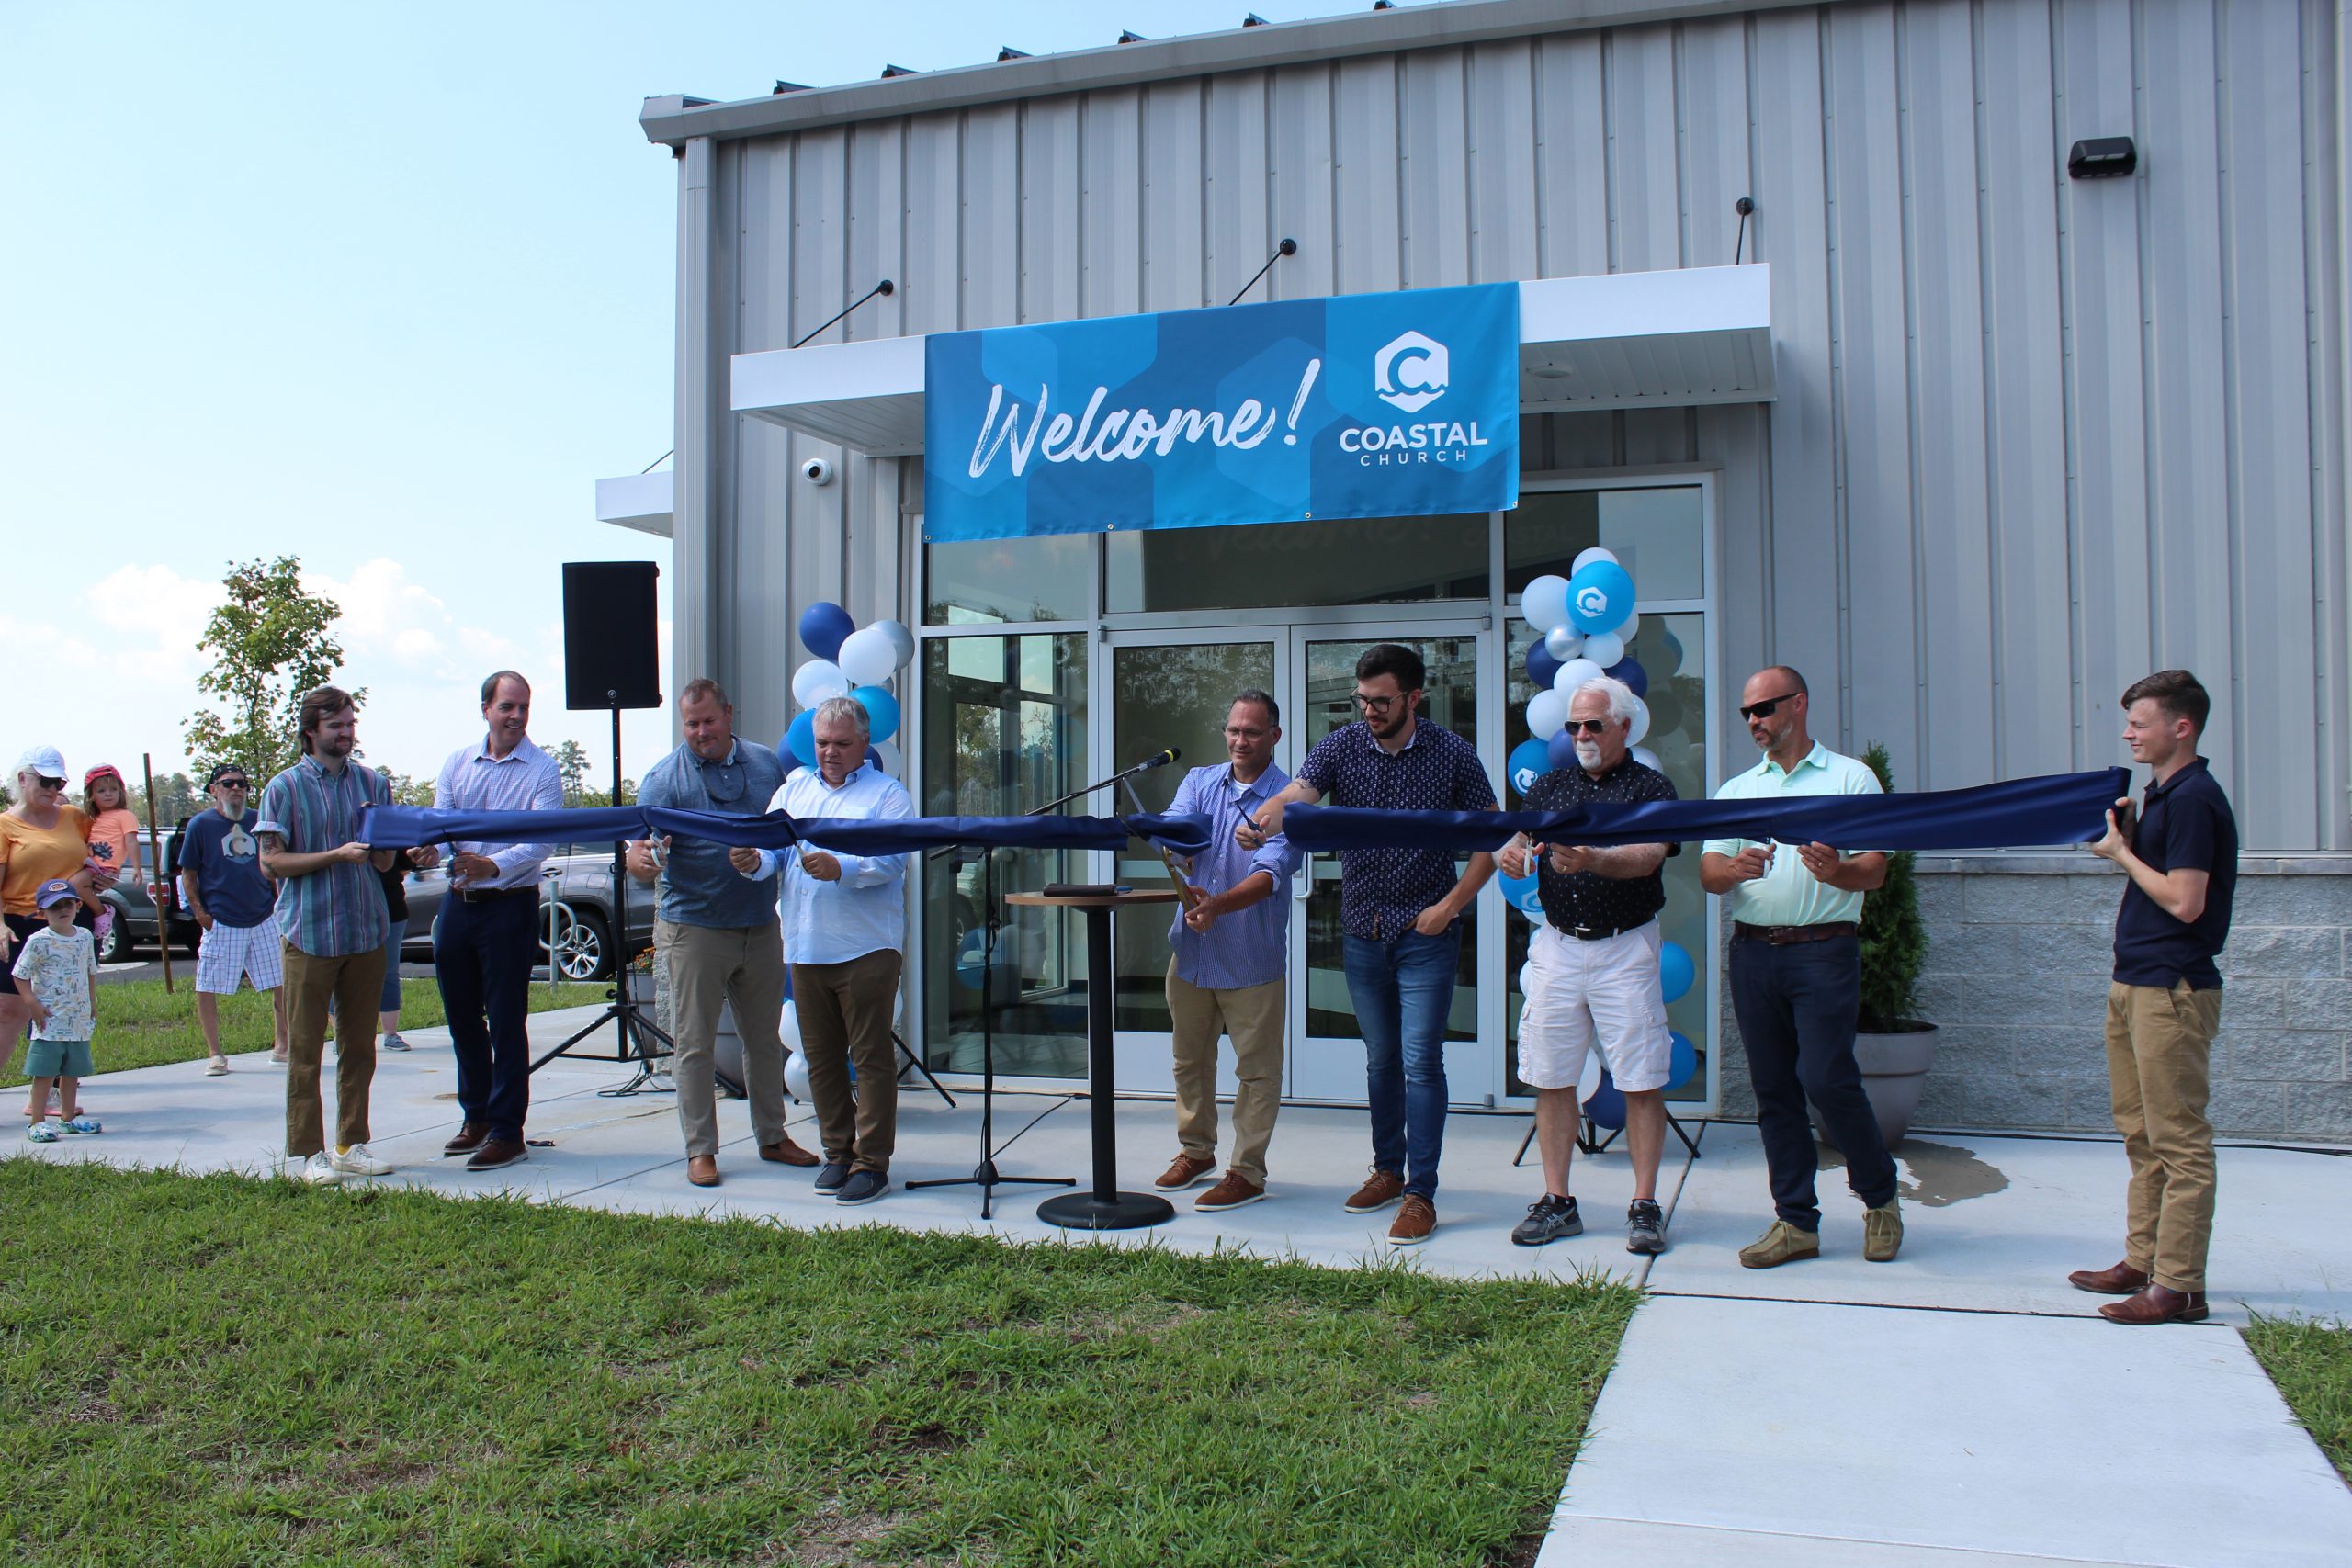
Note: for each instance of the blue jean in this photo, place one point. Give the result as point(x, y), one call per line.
point(1796, 1009)
point(391, 1001)
point(1403, 991)
point(482, 955)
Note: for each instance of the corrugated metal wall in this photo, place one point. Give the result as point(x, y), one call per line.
point(2035, 436)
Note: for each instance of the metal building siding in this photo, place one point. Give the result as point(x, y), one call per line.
point(2034, 436)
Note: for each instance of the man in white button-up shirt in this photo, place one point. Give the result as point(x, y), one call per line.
point(844, 935)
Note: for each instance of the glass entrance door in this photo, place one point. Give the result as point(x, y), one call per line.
point(1327, 1049)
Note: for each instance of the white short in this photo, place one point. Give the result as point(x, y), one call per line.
point(1578, 990)
point(230, 953)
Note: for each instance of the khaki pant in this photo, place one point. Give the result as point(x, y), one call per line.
point(2159, 1045)
point(845, 1021)
point(708, 966)
point(1252, 1015)
point(355, 982)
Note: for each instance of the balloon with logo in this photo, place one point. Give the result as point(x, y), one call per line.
point(1675, 971)
point(881, 710)
point(867, 657)
point(1526, 764)
point(1599, 597)
point(824, 625)
point(1544, 604)
point(1522, 894)
point(816, 680)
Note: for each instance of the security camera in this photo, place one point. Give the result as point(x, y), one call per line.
point(818, 471)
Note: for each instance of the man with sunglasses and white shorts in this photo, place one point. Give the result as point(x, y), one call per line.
point(1796, 978)
point(1592, 970)
point(234, 904)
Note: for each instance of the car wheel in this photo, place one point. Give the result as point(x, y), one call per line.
point(583, 948)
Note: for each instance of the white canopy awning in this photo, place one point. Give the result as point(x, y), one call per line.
point(642, 501)
point(1610, 341)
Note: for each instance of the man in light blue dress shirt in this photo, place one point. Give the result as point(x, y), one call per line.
point(1232, 951)
point(844, 935)
point(487, 936)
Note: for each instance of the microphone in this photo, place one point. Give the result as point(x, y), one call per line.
point(1157, 760)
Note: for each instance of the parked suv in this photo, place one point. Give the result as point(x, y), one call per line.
point(134, 908)
point(580, 878)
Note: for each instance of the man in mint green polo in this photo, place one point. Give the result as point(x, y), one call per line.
point(1796, 978)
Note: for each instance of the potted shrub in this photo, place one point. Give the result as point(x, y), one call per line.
point(1893, 1048)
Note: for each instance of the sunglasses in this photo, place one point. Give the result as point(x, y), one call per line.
point(1769, 706)
point(1587, 725)
point(232, 784)
point(47, 782)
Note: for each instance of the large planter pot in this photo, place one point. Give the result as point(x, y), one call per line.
point(1895, 1069)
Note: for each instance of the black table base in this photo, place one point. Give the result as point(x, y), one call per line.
point(1106, 1208)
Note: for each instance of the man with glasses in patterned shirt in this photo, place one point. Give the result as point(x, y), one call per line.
point(1402, 912)
point(1796, 978)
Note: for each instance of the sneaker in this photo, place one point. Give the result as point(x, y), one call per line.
point(1416, 1217)
point(1548, 1218)
point(100, 925)
point(391, 1042)
point(1383, 1188)
point(1184, 1172)
point(360, 1160)
point(832, 1176)
point(862, 1187)
point(1882, 1232)
point(40, 1132)
point(1782, 1244)
point(319, 1170)
point(1644, 1227)
point(1231, 1193)
point(277, 1058)
point(217, 1067)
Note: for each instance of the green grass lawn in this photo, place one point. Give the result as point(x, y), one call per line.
point(142, 1025)
point(2312, 1364)
point(249, 1372)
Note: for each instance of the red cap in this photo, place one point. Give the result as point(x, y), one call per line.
point(104, 770)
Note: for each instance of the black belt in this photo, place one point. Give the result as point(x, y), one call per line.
point(1601, 933)
point(492, 895)
point(1782, 936)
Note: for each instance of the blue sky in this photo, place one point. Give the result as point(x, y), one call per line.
point(387, 289)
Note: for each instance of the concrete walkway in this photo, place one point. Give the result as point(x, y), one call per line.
point(1961, 1406)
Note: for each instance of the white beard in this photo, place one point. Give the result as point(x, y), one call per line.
point(1588, 753)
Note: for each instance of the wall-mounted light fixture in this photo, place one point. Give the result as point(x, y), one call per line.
point(2102, 158)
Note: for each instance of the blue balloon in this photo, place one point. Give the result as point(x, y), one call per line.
point(1600, 597)
point(1519, 892)
point(1607, 1106)
point(880, 707)
point(1633, 674)
point(1683, 1062)
point(1668, 654)
point(1542, 667)
point(874, 758)
point(1675, 971)
point(800, 741)
point(824, 623)
point(1525, 766)
point(1563, 753)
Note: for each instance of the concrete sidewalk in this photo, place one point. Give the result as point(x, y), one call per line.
point(1960, 1405)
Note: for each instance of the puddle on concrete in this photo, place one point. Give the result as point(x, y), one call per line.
point(1941, 1174)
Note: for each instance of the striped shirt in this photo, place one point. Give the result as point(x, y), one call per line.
point(338, 911)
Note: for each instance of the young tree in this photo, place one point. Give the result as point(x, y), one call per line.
point(271, 641)
point(178, 798)
point(572, 761)
point(408, 789)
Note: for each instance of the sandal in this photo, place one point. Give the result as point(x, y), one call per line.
point(41, 1133)
point(217, 1067)
point(82, 1124)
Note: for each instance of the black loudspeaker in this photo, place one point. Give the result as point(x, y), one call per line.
point(610, 630)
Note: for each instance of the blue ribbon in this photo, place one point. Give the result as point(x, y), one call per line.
point(405, 827)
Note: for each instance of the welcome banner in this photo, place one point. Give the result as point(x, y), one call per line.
point(1367, 405)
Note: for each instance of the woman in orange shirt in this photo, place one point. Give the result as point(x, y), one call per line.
point(42, 836)
point(114, 839)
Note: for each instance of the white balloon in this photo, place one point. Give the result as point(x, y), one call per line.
point(1641, 722)
point(795, 1076)
point(1544, 604)
point(867, 656)
point(1526, 972)
point(1546, 712)
point(1604, 648)
point(1588, 1081)
point(1564, 643)
point(1586, 557)
point(816, 680)
point(901, 640)
point(1573, 675)
point(1632, 623)
point(889, 757)
point(1646, 756)
point(787, 1026)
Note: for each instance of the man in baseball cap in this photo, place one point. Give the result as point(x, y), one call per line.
point(221, 880)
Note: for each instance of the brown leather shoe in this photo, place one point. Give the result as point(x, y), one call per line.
point(703, 1169)
point(1231, 1193)
point(496, 1152)
point(1183, 1172)
point(785, 1152)
point(2121, 1281)
point(1416, 1217)
point(2157, 1304)
point(1384, 1189)
point(470, 1136)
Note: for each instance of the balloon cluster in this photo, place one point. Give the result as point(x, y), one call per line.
point(1584, 624)
point(851, 661)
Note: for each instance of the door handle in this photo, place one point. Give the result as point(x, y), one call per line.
point(1301, 881)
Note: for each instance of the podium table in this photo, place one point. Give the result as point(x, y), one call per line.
point(1104, 1208)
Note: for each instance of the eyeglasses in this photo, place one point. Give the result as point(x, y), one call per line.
point(1371, 704)
point(1769, 706)
point(1235, 732)
point(1587, 725)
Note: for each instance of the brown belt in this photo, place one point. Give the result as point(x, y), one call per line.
point(1780, 936)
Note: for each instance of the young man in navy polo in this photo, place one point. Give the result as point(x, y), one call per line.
point(2181, 854)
